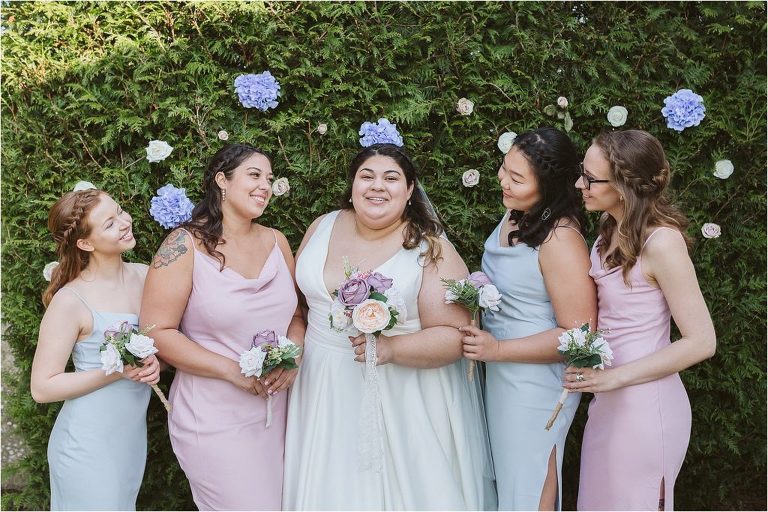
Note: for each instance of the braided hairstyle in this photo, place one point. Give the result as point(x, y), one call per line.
point(555, 162)
point(207, 217)
point(640, 172)
point(68, 223)
point(421, 221)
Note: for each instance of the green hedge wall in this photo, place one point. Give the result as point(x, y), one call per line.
point(87, 85)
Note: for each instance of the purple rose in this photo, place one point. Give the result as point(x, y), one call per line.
point(478, 279)
point(117, 329)
point(379, 283)
point(267, 336)
point(353, 291)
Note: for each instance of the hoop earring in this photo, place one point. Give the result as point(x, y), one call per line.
point(545, 214)
point(223, 195)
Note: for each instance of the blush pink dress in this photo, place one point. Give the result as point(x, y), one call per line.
point(218, 431)
point(637, 435)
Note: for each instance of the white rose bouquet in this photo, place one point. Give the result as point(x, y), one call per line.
point(581, 348)
point(124, 344)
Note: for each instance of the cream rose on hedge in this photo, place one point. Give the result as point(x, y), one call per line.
point(280, 187)
point(723, 169)
point(322, 128)
point(470, 178)
point(710, 230)
point(141, 346)
point(223, 135)
point(617, 116)
point(83, 185)
point(505, 142)
point(158, 150)
point(48, 270)
point(465, 107)
point(371, 316)
point(562, 102)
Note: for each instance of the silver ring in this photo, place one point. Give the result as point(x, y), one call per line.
point(579, 377)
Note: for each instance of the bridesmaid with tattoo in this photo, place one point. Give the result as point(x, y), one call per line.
point(214, 283)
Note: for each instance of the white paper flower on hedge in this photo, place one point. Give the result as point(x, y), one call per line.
point(465, 107)
point(158, 150)
point(617, 116)
point(470, 178)
point(280, 187)
point(723, 169)
point(505, 141)
point(710, 230)
point(322, 128)
point(48, 270)
point(223, 135)
point(83, 185)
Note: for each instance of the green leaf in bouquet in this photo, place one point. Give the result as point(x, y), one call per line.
point(585, 361)
point(378, 296)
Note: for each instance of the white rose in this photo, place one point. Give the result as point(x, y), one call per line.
point(465, 107)
point(606, 354)
point(470, 178)
point(395, 300)
point(339, 319)
point(158, 150)
point(223, 135)
point(111, 361)
point(562, 102)
point(322, 128)
point(48, 270)
point(141, 346)
point(280, 187)
point(283, 342)
point(710, 230)
point(723, 169)
point(617, 116)
point(489, 297)
point(371, 316)
point(252, 361)
point(83, 185)
point(505, 141)
point(450, 297)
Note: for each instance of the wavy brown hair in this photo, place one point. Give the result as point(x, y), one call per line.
point(421, 221)
point(68, 223)
point(640, 172)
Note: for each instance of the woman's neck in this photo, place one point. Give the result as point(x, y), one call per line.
point(105, 269)
point(372, 234)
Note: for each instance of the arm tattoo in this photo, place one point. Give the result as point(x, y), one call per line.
point(173, 248)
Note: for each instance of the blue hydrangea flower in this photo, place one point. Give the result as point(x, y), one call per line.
point(683, 110)
point(171, 207)
point(257, 91)
point(383, 132)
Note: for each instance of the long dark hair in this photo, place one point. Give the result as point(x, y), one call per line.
point(421, 221)
point(207, 217)
point(555, 162)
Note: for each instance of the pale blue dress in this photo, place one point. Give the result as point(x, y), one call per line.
point(520, 397)
point(98, 445)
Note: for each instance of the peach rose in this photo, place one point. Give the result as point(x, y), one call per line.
point(371, 316)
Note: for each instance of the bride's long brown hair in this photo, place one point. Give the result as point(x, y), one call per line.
point(640, 172)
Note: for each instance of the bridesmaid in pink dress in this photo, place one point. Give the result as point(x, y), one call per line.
point(639, 421)
point(212, 285)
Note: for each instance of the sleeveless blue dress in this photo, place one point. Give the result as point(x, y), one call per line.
point(98, 445)
point(520, 397)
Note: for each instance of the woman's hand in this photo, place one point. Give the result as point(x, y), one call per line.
point(248, 384)
point(590, 380)
point(479, 345)
point(280, 379)
point(383, 350)
point(149, 373)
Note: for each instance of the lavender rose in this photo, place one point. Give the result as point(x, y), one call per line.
point(379, 283)
point(478, 279)
point(354, 291)
point(266, 336)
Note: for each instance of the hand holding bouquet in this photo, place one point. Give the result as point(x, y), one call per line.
point(124, 344)
point(581, 348)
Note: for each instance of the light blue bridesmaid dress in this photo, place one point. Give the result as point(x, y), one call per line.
point(98, 445)
point(520, 397)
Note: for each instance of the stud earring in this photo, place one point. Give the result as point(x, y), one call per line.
point(621, 198)
point(409, 202)
point(350, 199)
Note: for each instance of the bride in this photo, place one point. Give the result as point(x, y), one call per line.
point(431, 435)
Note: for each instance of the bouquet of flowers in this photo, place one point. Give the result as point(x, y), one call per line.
point(124, 344)
point(474, 293)
point(268, 351)
point(581, 348)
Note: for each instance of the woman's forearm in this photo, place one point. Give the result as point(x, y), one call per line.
point(68, 385)
point(432, 347)
point(186, 355)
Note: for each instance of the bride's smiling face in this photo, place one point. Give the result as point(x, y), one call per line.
point(380, 191)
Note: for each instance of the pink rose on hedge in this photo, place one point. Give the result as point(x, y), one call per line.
point(479, 279)
point(266, 336)
point(353, 291)
point(379, 283)
point(371, 316)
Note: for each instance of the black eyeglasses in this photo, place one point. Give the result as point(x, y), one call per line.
point(587, 179)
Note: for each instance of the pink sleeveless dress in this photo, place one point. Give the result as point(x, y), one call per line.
point(637, 435)
point(218, 432)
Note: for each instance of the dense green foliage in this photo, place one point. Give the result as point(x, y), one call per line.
point(87, 85)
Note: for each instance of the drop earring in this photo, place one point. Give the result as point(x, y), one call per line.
point(223, 195)
point(545, 214)
point(350, 199)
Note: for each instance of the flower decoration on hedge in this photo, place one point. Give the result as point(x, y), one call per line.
point(280, 187)
point(322, 128)
point(465, 107)
point(83, 185)
point(158, 150)
point(48, 270)
point(505, 141)
point(470, 178)
point(171, 207)
point(383, 132)
point(617, 116)
point(683, 109)
point(257, 91)
point(723, 169)
point(710, 230)
point(223, 135)
point(560, 110)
